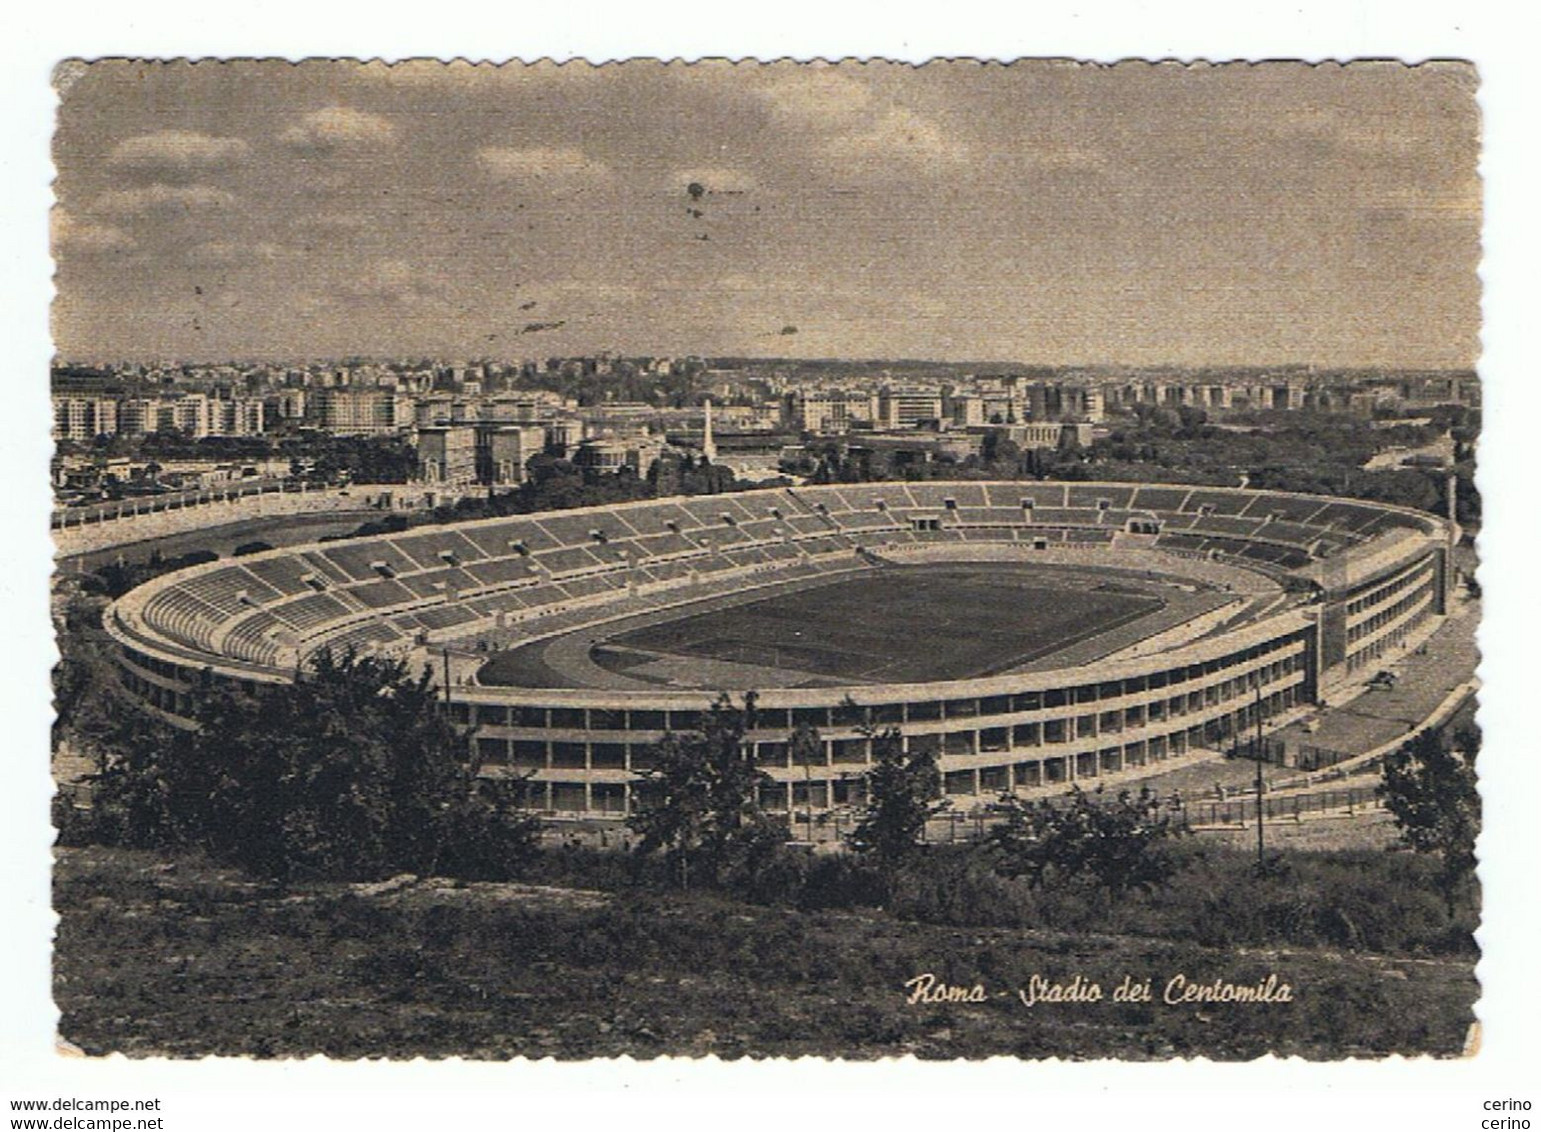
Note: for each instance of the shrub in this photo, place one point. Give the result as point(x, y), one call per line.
point(843, 881)
point(1115, 844)
point(957, 888)
point(350, 772)
point(699, 803)
point(1430, 787)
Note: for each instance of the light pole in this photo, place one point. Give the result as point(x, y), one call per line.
point(1258, 758)
point(805, 742)
point(808, 789)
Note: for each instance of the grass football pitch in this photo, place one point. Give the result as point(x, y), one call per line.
point(902, 625)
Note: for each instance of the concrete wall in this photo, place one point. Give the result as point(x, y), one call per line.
point(91, 536)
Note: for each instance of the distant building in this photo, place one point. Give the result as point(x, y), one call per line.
point(1287, 395)
point(360, 412)
point(84, 418)
point(918, 446)
point(1054, 401)
point(238, 416)
point(503, 450)
point(965, 410)
point(185, 413)
point(612, 453)
point(565, 434)
point(1209, 395)
point(188, 415)
point(429, 411)
point(288, 405)
point(138, 416)
point(523, 408)
point(1044, 434)
point(906, 408)
point(446, 455)
point(763, 417)
point(827, 410)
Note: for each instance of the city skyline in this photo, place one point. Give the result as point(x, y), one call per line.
point(1044, 212)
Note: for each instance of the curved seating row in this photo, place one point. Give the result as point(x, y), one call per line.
point(387, 589)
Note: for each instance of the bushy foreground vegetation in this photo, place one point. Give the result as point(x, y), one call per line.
point(319, 868)
point(1371, 900)
point(175, 957)
point(350, 774)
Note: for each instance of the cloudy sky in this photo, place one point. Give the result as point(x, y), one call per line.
point(1038, 212)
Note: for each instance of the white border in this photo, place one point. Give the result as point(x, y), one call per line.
point(313, 1095)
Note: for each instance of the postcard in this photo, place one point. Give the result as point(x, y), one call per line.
point(766, 559)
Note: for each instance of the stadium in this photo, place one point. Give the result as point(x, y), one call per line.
point(1032, 634)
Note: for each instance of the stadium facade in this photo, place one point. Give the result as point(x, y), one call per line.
point(1302, 593)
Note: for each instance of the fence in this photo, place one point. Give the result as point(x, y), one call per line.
point(1236, 811)
point(1347, 802)
point(134, 506)
point(1311, 757)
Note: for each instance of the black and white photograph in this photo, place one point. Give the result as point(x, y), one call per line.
point(753, 560)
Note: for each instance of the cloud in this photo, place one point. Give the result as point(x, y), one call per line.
point(844, 120)
point(819, 97)
point(162, 200)
point(588, 290)
point(1069, 157)
point(324, 183)
point(898, 131)
point(229, 253)
point(338, 127)
point(173, 154)
point(1387, 139)
point(1460, 202)
point(335, 221)
point(1374, 136)
point(389, 282)
point(71, 235)
point(541, 164)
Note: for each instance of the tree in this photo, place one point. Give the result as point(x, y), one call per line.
point(1429, 785)
point(1116, 846)
point(902, 790)
point(699, 804)
point(85, 711)
point(349, 772)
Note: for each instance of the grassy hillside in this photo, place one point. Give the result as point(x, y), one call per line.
point(177, 957)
